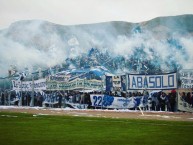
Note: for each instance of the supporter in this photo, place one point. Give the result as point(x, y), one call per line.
point(183, 96)
point(154, 101)
point(35, 99)
point(168, 102)
point(192, 99)
point(60, 100)
point(73, 97)
point(82, 98)
point(149, 103)
point(146, 100)
point(77, 97)
point(133, 94)
point(123, 94)
point(2, 99)
point(145, 93)
point(132, 104)
point(28, 100)
point(116, 94)
point(162, 101)
point(130, 94)
point(70, 98)
point(188, 98)
point(138, 94)
point(38, 99)
point(87, 100)
point(172, 100)
point(126, 95)
point(64, 99)
point(67, 96)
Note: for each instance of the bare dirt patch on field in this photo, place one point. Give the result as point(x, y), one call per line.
point(177, 116)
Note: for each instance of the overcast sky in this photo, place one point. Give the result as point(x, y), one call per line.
point(69, 12)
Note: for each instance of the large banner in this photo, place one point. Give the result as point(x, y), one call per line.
point(77, 84)
point(28, 85)
point(185, 100)
point(138, 82)
point(106, 101)
point(186, 77)
point(153, 82)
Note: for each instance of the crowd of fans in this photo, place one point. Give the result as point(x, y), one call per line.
point(155, 100)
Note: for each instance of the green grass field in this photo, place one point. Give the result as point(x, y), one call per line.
point(26, 129)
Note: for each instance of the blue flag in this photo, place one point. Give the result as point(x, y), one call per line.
point(109, 83)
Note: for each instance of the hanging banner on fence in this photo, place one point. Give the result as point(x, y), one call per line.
point(28, 85)
point(186, 77)
point(153, 82)
point(185, 101)
point(106, 101)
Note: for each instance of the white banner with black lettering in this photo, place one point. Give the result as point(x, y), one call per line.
point(153, 82)
point(28, 85)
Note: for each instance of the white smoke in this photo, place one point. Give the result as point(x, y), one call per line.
point(13, 52)
point(57, 44)
point(188, 45)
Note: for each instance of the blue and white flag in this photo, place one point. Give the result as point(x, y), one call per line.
point(109, 83)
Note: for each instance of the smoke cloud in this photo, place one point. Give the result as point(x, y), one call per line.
point(42, 44)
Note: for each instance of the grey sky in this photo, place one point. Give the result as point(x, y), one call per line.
point(68, 12)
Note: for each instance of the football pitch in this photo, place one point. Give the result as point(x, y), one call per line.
point(29, 129)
